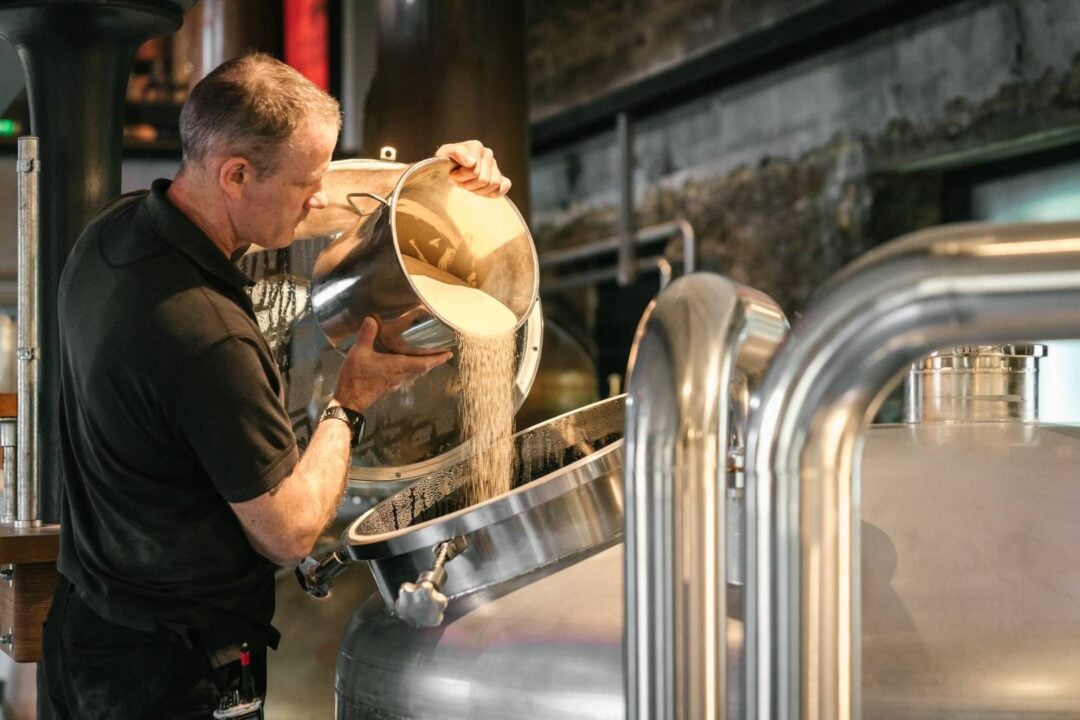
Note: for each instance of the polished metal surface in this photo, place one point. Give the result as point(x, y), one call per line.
point(565, 378)
point(945, 286)
point(422, 603)
point(9, 447)
point(970, 590)
point(701, 348)
point(567, 497)
point(542, 553)
point(413, 431)
point(26, 463)
point(481, 241)
point(544, 646)
point(975, 383)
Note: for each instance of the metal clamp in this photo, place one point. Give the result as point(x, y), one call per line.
point(7, 574)
point(8, 638)
point(422, 603)
point(28, 166)
point(316, 575)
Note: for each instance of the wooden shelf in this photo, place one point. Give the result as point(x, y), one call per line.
point(29, 545)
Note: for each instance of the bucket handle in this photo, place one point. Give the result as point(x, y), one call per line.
point(379, 198)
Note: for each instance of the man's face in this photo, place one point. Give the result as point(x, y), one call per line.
point(276, 202)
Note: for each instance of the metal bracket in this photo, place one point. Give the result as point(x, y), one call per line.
point(7, 574)
point(8, 638)
point(26, 354)
point(28, 166)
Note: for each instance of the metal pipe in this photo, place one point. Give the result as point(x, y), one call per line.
point(624, 148)
point(702, 338)
point(9, 447)
point(26, 514)
point(644, 236)
point(675, 228)
point(961, 284)
point(592, 277)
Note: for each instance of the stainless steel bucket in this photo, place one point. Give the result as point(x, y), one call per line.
point(481, 241)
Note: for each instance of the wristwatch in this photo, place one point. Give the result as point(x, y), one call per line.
point(353, 419)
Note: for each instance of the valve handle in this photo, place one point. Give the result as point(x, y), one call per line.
point(422, 603)
point(316, 575)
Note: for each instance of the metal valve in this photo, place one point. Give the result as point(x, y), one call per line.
point(422, 604)
point(316, 575)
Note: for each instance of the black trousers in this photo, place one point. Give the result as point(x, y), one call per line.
point(93, 669)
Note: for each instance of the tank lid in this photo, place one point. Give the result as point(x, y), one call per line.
point(973, 383)
point(965, 354)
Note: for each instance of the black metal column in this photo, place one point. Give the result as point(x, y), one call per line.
point(77, 57)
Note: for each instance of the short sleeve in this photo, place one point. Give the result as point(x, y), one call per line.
point(229, 411)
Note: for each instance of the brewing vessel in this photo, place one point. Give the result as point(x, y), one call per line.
point(967, 597)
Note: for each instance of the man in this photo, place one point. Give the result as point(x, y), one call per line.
point(183, 483)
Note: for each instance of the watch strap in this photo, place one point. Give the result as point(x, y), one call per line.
point(353, 419)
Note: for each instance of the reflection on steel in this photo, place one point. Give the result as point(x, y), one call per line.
point(969, 580)
point(968, 554)
point(422, 603)
point(481, 241)
point(396, 537)
point(654, 233)
point(975, 383)
point(9, 447)
point(941, 287)
point(533, 622)
point(701, 347)
point(26, 513)
point(413, 431)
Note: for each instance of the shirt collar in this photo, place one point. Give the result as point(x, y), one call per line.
point(178, 230)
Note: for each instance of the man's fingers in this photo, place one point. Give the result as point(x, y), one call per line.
point(420, 364)
point(365, 337)
point(463, 154)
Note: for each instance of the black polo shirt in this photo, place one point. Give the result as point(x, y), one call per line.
point(171, 408)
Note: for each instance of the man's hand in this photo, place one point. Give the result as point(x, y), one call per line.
point(477, 169)
point(367, 375)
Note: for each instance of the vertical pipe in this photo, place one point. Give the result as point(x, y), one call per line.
point(701, 340)
point(9, 445)
point(624, 158)
point(26, 513)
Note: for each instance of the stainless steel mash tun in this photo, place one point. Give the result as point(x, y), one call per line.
point(566, 473)
point(422, 216)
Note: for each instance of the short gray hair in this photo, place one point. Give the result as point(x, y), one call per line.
point(250, 106)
